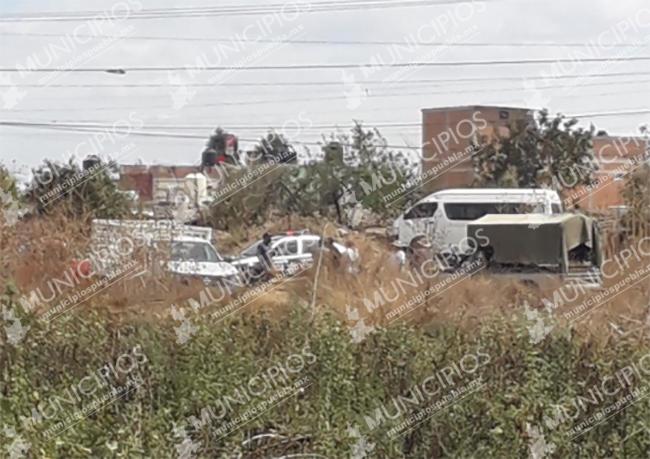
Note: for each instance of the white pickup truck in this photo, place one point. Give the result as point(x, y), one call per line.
point(290, 252)
point(185, 251)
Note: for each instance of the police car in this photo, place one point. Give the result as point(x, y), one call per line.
point(197, 258)
point(290, 252)
point(185, 251)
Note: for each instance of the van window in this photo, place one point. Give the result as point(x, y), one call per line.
point(556, 208)
point(474, 210)
point(423, 210)
point(525, 208)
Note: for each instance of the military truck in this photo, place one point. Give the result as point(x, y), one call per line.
point(536, 248)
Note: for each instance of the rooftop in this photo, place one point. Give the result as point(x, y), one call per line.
point(459, 108)
point(501, 194)
point(163, 171)
point(480, 191)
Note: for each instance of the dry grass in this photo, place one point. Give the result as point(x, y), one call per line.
point(43, 248)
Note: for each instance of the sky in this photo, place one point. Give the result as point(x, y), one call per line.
point(169, 118)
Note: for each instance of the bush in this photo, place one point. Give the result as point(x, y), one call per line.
point(348, 381)
point(76, 192)
point(358, 171)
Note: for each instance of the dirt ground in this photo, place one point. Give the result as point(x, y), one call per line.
point(378, 292)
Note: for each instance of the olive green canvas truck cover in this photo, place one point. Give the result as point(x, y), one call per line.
point(542, 240)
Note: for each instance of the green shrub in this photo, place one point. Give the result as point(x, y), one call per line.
point(348, 381)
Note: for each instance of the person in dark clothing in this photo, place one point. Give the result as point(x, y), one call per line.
point(263, 250)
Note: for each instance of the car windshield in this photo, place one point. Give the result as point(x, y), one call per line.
point(194, 251)
point(251, 251)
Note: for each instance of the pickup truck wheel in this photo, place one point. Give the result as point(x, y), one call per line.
point(291, 269)
point(253, 274)
point(483, 257)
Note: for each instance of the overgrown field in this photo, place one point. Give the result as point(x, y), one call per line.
point(346, 383)
point(480, 370)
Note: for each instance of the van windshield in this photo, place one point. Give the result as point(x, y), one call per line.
point(476, 210)
point(422, 210)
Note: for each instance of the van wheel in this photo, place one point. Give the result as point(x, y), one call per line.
point(483, 256)
point(449, 261)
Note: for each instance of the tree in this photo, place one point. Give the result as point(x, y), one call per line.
point(275, 147)
point(77, 192)
point(550, 153)
point(380, 173)
point(9, 198)
point(250, 203)
point(636, 195)
point(357, 171)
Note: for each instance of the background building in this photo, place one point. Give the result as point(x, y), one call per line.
point(448, 134)
point(617, 157)
point(447, 137)
point(159, 183)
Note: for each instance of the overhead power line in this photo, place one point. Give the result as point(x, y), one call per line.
point(333, 83)
point(224, 10)
point(619, 113)
point(103, 126)
point(211, 127)
point(403, 42)
point(400, 91)
point(154, 134)
point(337, 96)
point(122, 70)
point(379, 124)
point(53, 126)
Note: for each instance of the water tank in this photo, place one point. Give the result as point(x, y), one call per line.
point(196, 187)
point(333, 152)
point(91, 162)
point(209, 158)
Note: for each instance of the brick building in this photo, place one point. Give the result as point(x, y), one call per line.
point(449, 132)
point(616, 157)
point(447, 137)
point(151, 181)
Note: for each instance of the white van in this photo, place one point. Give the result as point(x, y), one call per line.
point(442, 217)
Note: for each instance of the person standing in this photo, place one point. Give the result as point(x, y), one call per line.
point(263, 251)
